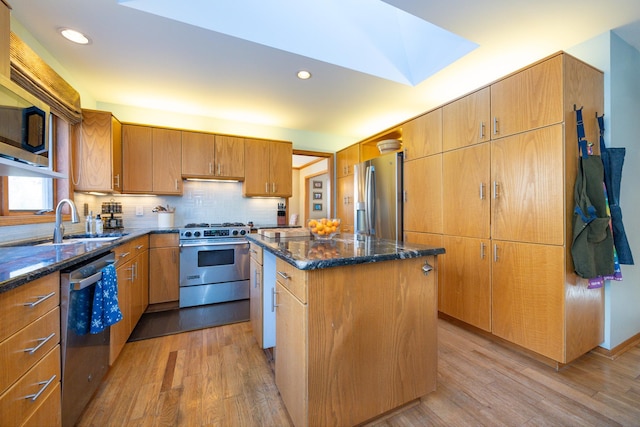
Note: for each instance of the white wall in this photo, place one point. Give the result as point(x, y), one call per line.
point(621, 66)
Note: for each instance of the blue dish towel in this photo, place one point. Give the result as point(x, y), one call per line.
point(105, 301)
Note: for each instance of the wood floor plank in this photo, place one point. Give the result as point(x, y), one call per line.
point(219, 377)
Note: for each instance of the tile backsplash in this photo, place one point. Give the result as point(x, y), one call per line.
point(201, 202)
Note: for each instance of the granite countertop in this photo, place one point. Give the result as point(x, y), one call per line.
point(24, 261)
point(306, 253)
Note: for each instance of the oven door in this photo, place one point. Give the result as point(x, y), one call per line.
point(213, 261)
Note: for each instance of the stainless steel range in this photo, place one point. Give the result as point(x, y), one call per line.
point(214, 263)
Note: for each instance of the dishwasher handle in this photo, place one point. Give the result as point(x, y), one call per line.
point(78, 285)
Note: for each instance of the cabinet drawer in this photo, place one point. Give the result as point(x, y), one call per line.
point(293, 279)
point(23, 305)
point(140, 245)
point(49, 412)
point(37, 384)
point(163, 240)
point(123, 253)
point(23, 349)
point(256, 252)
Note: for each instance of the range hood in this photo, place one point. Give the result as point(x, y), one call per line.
point(16, 168)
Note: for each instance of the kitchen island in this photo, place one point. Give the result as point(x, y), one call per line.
point(355, 326)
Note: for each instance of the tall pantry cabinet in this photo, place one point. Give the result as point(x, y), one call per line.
point(345, 209)
point(509, 164)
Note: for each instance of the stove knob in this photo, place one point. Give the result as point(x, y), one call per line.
point(243, 232)
point(196, 234)
point(234, 232)
point(187, 234)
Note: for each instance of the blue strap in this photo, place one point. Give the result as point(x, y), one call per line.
point(582, 141)
point(603, 147)
point(586, 219)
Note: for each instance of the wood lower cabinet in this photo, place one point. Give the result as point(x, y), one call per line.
point(152, 160)
point(344, 352)
point(164, 268)
point(98, 153)
point(30, 354)
point(268, 168)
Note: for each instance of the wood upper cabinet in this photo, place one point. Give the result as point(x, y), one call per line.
point(528, 187)
point(5, 40)
point(164, 268)
point(268, 168)
point(152, 160)
point(466, 196)
point(345, 209)
point(212, 156)
point(422, 136)
point(423, 194)
point(466, 121)
point(98, 153)
point(529, 99)
point(346, 159)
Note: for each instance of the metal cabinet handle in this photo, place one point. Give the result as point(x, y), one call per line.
point(40, 299)
point(124, 254)
point(116, 178)
point(253, 251)
point(44, 384)
point(256, 278)
point(482, 250)
point(273, 300)
point(139, 247)
point(496, 189)
point(481, 130)
point(266, 187)
point(219, 169)
point(43, 341)
point(427, 268)
point(482, 191)
point(177, 188)
point(495, 126)
point(210, 168)
point(284, 275)
point(495, 253)
point(273, 187)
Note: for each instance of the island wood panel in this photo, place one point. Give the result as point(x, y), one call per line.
point(137, 159)
point(466, 191)
point(528, 296)
point(528, 99)
point(423, 194)
point(372, 327)
point(466, 121)
point(229, 157)
point(198, 154)
point(422, 136)
point(528, 195)
point(167, 161)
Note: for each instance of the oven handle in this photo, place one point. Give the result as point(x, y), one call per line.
point(213, 243)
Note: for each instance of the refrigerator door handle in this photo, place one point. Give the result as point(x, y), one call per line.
point(370, 190)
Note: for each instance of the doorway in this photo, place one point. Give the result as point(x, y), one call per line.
point(309, 169)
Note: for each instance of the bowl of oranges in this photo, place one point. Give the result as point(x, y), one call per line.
point(324, 228)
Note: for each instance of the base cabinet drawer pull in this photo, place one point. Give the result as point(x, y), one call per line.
point(427, 268)
point(284, 275)
point(44, 385)
point(273, 300)
point(43, 341)
point(40, 299)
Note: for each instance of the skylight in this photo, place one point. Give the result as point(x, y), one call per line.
point(368, 36)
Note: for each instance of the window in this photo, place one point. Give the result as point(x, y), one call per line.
point(30, 194)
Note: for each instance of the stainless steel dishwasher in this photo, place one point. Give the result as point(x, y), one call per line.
point(85, 356)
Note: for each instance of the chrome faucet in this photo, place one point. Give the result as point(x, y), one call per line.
point(58, 231)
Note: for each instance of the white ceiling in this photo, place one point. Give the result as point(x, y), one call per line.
point(144, 60)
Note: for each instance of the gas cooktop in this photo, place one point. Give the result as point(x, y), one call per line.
point(221, 224)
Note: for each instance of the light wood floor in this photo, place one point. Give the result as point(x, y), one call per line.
point(218, 377)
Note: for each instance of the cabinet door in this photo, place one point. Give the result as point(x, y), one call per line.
point(255, 300)
point(528, 296)
point(256, 180)
point(140, 288)
point(465, 288)
point(229, 157)
point(466, 121)
point(280, 160)
point(167, 161)
point(137, 159)
point(116, 159)
point(164, 275)
point(95, 153)
point(422, 136)
point(292, 358)
point(344, 204)
point(466, 203)
point(528, 187)
point(120, 331)
point(423, 194)
point(198, 154)
point(529, 99)
point(345, 159)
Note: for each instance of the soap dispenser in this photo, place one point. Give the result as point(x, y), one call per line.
point(89, 224)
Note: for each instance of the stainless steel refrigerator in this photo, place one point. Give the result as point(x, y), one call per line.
point(378, 197)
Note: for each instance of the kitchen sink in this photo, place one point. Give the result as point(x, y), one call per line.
point(85, 239)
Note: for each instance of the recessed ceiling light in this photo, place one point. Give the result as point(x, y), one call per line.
point(74, 36)
point(304, 75)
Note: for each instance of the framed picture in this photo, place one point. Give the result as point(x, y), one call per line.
point(317, 196)
point(317, 184)
point(317, 206)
